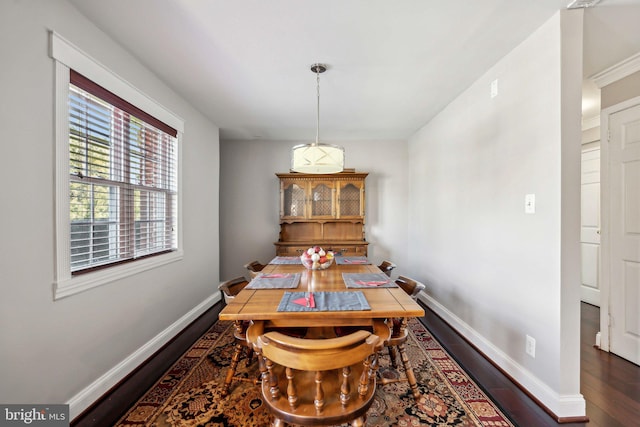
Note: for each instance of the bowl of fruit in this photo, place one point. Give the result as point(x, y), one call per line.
point(316, 258)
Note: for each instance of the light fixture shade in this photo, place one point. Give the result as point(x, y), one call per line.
point(317, 158)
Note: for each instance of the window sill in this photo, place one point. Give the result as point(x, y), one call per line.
point(73, 285)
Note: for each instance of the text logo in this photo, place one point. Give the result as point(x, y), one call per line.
point(34, 415)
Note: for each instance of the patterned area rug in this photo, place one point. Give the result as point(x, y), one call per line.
point(189, 393)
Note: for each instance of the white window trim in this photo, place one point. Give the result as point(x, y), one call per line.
point(68, 56)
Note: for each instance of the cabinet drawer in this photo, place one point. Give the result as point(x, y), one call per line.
point(290, 250)
point(339, 250)
point(349, 250)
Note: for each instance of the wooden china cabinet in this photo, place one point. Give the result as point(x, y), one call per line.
point(322, 209)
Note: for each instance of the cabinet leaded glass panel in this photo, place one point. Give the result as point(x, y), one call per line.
point(321, 204)
point(349, 200)
point(294, 201)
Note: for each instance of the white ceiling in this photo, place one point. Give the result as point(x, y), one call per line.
point(392, 65)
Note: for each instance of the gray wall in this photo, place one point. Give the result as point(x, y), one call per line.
point(73, 348)
point(495, 272)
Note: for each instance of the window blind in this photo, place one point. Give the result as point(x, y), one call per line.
point(123, 179)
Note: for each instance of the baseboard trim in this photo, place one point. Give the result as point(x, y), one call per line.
point(94, 391)
point(565, 405)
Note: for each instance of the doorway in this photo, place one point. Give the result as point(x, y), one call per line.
point(590, 223)
point(620, 279)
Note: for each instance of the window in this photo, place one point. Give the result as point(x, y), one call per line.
point(122, 182)
point(117, 176)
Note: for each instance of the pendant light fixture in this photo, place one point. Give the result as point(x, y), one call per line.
point(316, 157)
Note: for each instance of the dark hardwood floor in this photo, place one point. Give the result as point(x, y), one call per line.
point(610, 385)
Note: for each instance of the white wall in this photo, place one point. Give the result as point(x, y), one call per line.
point(496, 273)
point(250, 200)
point(54, 352)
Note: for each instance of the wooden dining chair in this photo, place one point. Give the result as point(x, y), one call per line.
point(317, 381)
point(410, 286)
point(232, 287)
point(386, 267)
point(229, 290)
point(399, 336)
point(254, 268)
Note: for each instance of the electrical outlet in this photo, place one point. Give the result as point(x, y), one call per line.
point(530, 346)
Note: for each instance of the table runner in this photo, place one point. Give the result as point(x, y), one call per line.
point(348, 260)
point(326, 301)
point(275, 281)
point(367, 280)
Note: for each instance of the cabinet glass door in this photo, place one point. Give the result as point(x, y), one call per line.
point(350, 200)
point(322, 197)
point(293, 200)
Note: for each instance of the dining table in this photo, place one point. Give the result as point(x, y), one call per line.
point(278, 297)
point(385, 300)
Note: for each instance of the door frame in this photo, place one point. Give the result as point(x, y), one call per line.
point(605, 236)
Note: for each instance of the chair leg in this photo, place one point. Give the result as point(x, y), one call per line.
point(249, 355)
point(235, 359)
point(358, 422)
point(408, 370)
point(393, 356)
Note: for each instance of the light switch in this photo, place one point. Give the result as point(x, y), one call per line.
point(494, 88)
point(530, 203)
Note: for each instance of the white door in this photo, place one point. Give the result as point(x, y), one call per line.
point(590, 224)
point(624, 226)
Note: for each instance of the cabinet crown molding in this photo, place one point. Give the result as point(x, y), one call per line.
point(342, 176)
